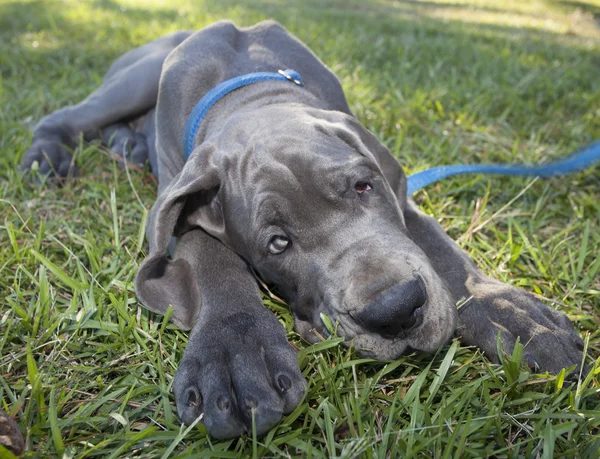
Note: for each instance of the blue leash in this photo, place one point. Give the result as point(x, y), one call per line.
point(221, 90)
point(578, 161)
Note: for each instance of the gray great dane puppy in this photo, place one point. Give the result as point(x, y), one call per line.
point(282, 180)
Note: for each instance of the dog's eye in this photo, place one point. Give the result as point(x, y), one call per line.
point(362, 186)
point(278, 244)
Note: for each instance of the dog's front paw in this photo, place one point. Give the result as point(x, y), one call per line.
point(48, 157)
point(237, 369)
point(550, 341)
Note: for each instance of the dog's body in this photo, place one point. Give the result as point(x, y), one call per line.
point(282, 180)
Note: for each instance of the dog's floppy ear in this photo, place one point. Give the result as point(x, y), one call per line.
point(161, 281)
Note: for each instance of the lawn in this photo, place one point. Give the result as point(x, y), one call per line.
point(87, 372)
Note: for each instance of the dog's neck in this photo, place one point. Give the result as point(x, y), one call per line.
point(250, 100)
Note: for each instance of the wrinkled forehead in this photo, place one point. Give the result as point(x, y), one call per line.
point(307, 184)
point(293, 146)
point(309, 167)
point(284, 164)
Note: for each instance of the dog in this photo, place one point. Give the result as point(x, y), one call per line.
point(282, 182)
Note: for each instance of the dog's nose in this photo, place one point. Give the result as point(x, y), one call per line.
point(394, 310)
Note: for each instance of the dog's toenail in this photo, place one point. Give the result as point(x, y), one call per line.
point(532, 364)
point(251, 403)
point(194, 399)
point(579, 344)
point(284, 383)
point(223, 403)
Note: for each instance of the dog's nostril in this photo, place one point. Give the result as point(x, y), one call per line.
point(223, 403)
point(194, 399)
point(408, 323)
point(284, 383)
point(394, 310)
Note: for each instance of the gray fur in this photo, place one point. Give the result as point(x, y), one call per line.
point(274, 159)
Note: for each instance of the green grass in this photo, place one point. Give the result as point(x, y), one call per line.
point(87, 372)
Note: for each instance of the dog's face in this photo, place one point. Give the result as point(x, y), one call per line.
point(305, 202)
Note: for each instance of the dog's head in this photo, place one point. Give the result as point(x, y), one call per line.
point(314, 203)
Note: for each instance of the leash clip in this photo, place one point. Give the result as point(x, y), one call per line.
point(291, 75)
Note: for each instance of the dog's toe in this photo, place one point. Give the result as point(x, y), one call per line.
point(139, 153)
point(129, 145)
point(286, 377)
point(221, 418)
point(191, 405)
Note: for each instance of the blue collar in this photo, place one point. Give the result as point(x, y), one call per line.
point(221, 90)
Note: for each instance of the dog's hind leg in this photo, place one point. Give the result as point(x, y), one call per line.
point(129, 90)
